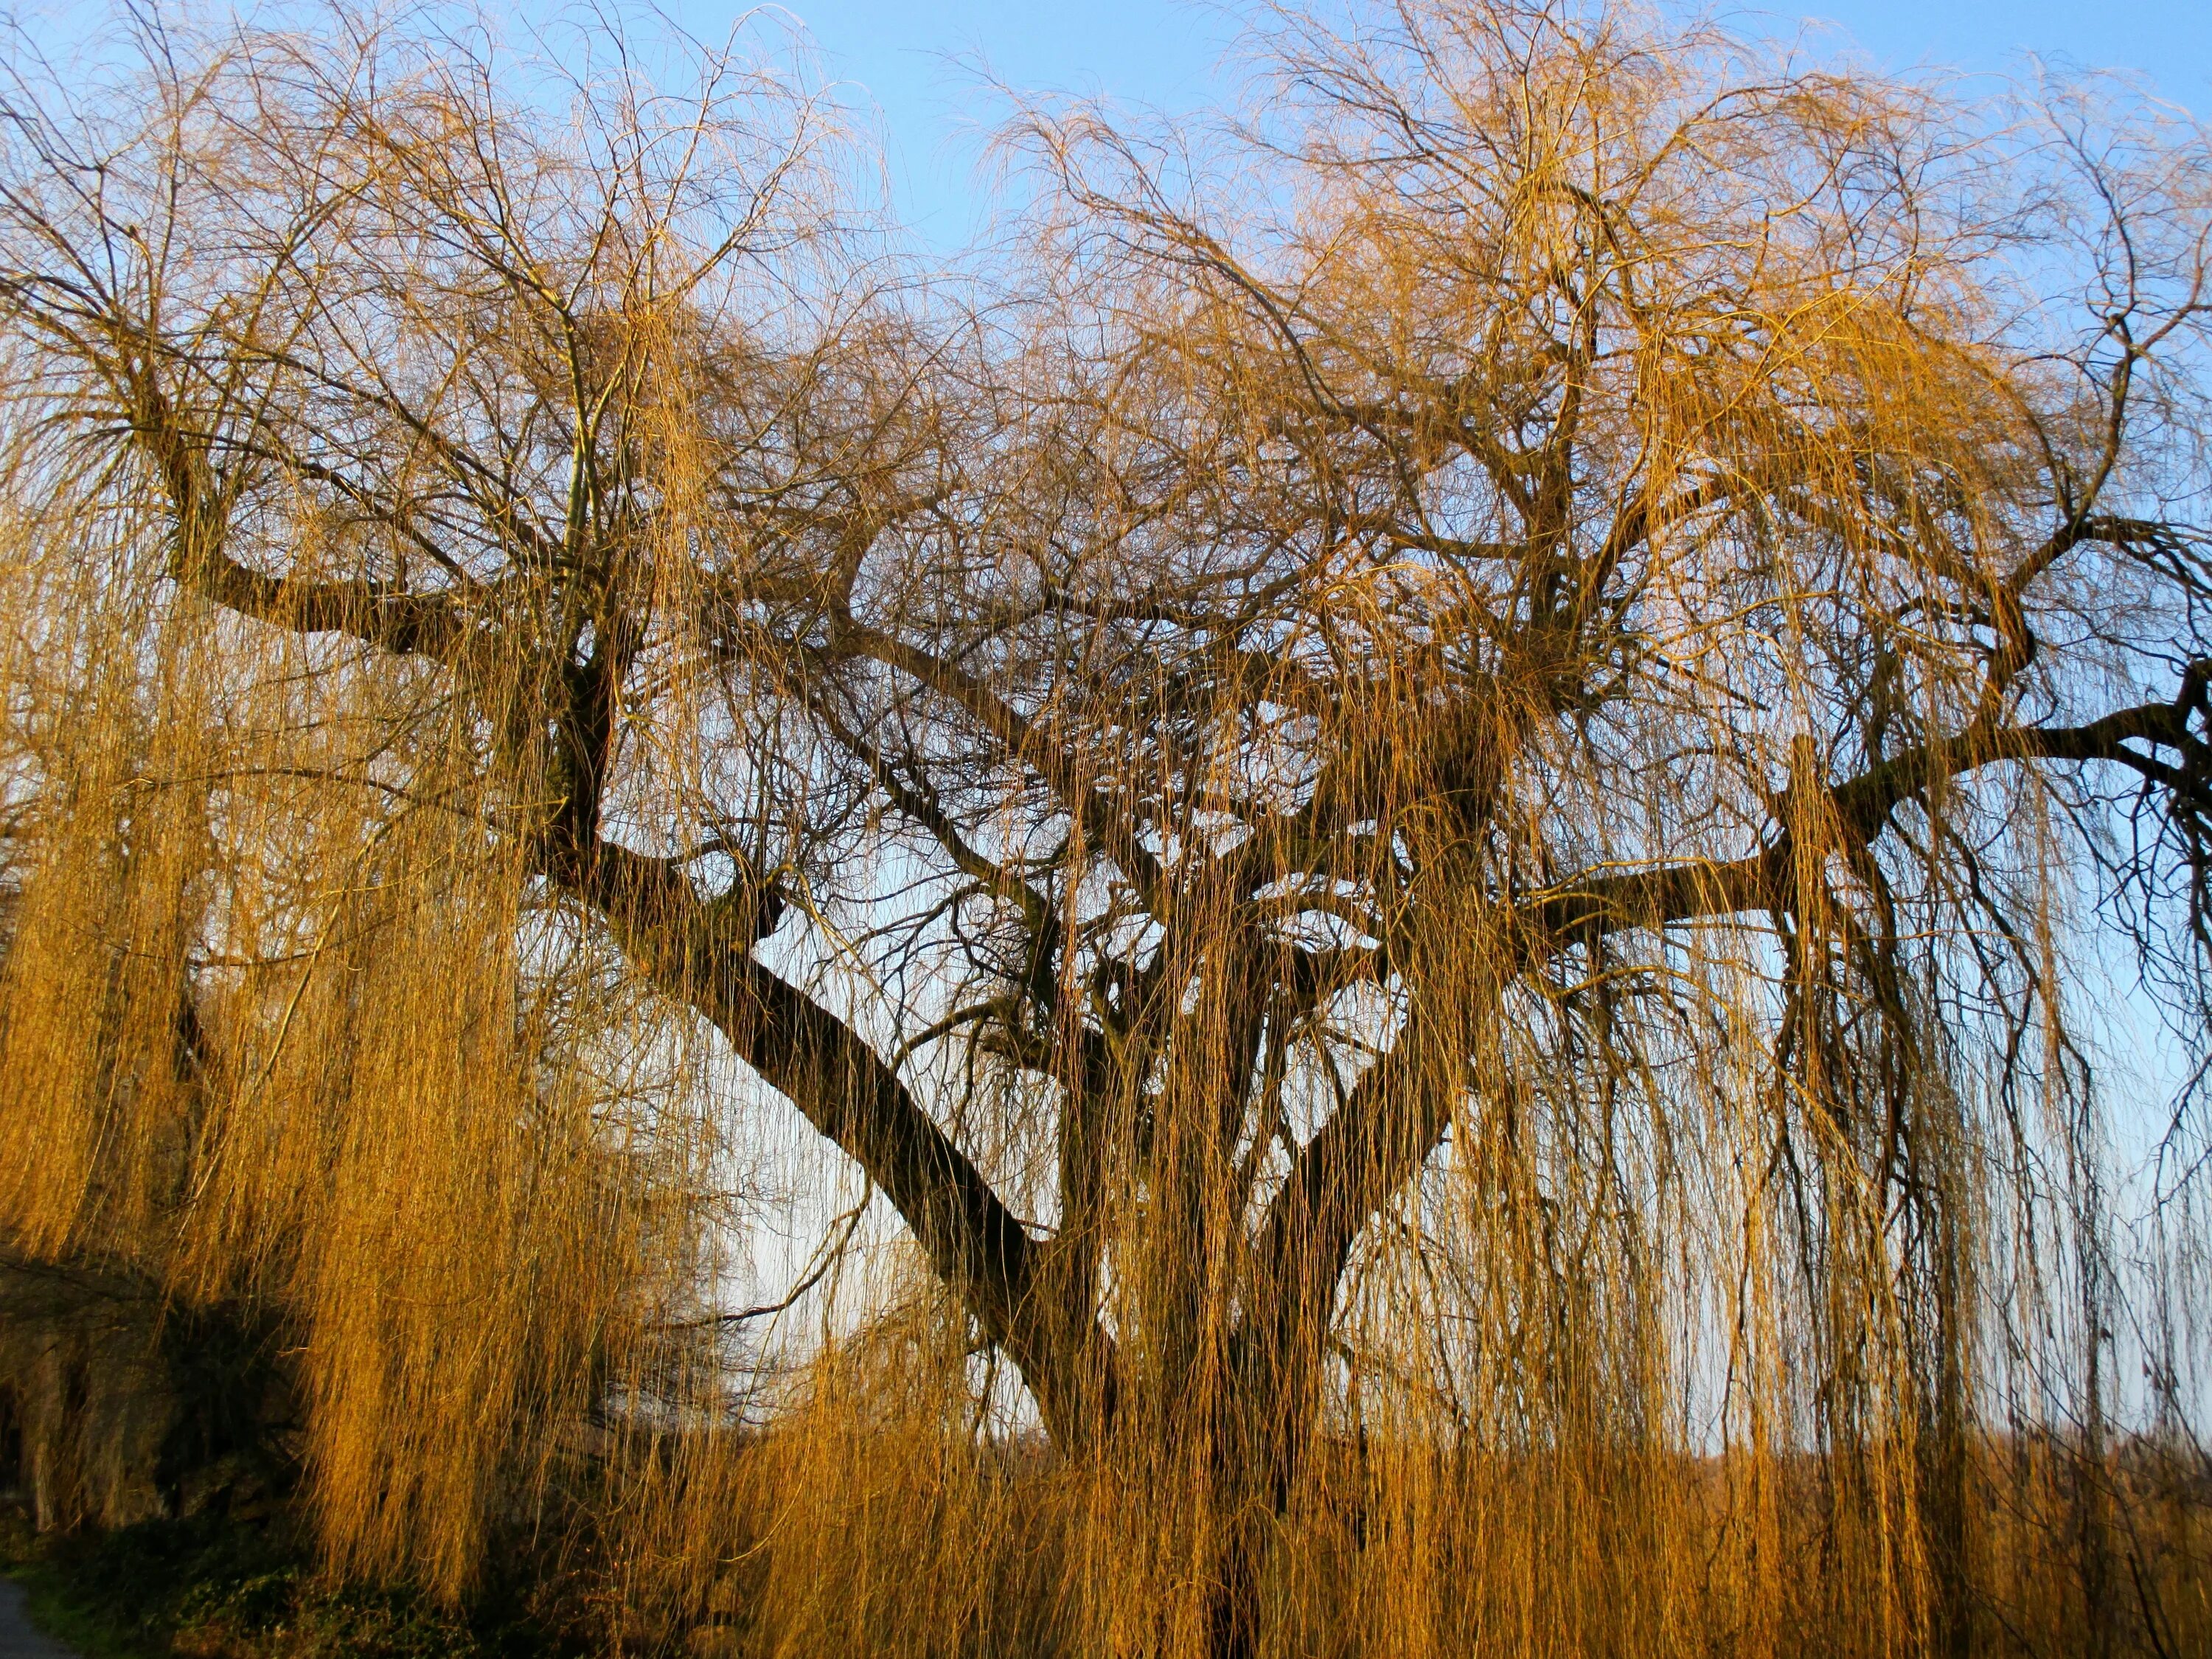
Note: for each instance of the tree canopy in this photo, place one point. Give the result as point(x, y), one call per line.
point(1438, 765)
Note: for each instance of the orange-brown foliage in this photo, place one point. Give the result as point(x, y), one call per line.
point(1424, 785)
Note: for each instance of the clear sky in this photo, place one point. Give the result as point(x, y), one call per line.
point(1165, 52)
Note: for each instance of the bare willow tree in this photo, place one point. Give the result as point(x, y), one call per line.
point(1439, 782)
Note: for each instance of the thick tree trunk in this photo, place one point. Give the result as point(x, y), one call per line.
point(1232, 1625)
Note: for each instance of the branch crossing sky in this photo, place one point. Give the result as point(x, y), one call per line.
point(906, 58)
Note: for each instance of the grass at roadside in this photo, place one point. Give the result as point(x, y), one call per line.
point(212, 1589)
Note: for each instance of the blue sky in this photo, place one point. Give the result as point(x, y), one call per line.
point(1165, 53)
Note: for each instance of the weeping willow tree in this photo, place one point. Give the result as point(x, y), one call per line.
point(1426, 789)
